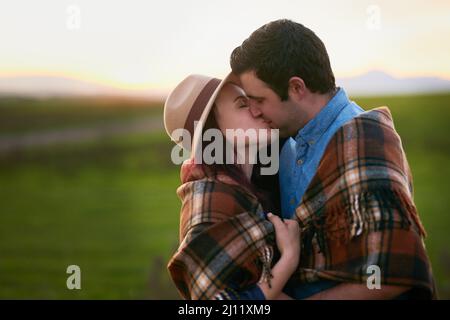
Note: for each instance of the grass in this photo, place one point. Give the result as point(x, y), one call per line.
point(110, 206)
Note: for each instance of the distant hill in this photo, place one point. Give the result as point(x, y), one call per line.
point(371, 83)
point(377, 83)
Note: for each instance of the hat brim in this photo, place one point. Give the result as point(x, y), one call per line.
point(198, 132)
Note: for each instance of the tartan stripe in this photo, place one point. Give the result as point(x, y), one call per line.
point(358, 210)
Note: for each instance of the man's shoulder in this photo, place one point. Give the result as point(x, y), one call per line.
point(376, 125)
point(370, 136)
point(381, 115)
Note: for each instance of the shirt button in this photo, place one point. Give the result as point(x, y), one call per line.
point(299, 162)
point(311, 142)
point(292, 201)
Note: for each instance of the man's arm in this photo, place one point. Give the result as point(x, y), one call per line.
point(352, 291)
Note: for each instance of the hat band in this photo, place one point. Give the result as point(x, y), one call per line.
point(200, 104)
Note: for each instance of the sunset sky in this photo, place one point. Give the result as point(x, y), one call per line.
point(139, 44)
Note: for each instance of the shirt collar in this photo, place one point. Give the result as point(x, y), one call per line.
point(318, 125)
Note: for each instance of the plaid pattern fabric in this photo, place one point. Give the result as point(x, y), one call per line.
point(358, 211)
point(223, 233)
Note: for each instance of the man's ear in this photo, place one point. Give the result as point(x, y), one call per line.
point(297, 88)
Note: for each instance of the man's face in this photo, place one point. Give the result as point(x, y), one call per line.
point(266, 104)
point(232, 112)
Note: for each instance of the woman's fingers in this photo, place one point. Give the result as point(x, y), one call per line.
point(287, 226)
point(292, 223)
point(287, 235)
point(293, 227)
point(276, 221)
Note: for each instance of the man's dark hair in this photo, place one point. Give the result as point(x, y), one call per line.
point(283, 49)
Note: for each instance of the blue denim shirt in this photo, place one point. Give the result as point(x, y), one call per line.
point(301, 155)
point(299, 159)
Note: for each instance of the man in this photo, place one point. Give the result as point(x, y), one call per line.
point(343, 173)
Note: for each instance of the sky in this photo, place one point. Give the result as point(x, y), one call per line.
point(141, 44)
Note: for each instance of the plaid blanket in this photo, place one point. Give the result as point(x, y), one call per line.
point(224, 237)
point(358, 211)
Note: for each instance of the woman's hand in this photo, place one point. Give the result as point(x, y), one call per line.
point(287, 235)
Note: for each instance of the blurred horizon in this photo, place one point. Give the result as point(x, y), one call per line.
point(372, 83)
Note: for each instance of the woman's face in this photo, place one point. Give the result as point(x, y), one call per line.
point(232, 111)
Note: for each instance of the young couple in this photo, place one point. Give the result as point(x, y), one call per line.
point(348, 227)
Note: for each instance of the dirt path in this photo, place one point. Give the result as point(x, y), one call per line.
point(10, 143)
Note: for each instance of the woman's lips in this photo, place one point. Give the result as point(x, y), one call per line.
point(269, 123)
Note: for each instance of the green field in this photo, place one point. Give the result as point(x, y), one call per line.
point(109, 205)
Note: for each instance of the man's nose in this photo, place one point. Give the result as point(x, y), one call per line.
point(254, 110)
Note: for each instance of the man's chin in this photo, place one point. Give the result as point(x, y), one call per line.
point(284, 133)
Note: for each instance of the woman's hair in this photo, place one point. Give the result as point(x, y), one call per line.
point(233, 170)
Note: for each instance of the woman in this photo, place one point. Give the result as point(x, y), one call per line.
point(226, 242)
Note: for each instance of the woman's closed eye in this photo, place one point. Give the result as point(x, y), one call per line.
point(242, 103)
